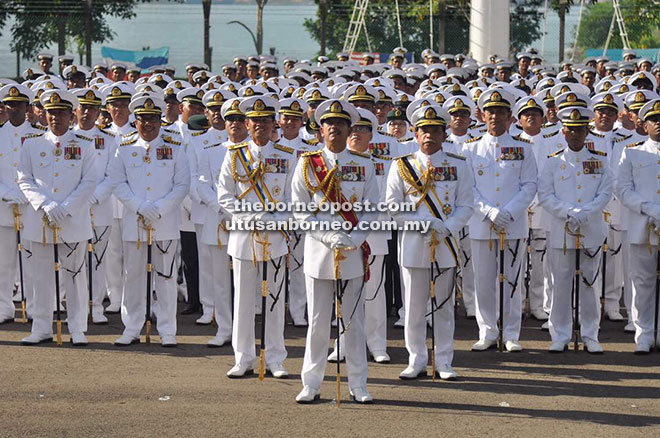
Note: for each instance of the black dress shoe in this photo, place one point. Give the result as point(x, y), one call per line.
point(6, 321)
point(191, 308)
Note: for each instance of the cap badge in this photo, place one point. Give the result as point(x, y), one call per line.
point(336, 107)
point(259, 105)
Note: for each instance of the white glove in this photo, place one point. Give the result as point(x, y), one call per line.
point(341, 240)
point(582, 218)
point(651, 209)
point(573, 223)
point(93, 199)
point(440, 228)
point(492, 214)
point(55, 212)
point(655, 223)
point(149, 211)
point(502, 220)
point(15, 197)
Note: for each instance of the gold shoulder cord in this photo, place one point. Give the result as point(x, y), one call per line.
point(254, 175)
point(420, 188)
point(326, 186)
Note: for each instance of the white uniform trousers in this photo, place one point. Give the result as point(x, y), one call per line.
point(416, 283)
point(628, 285)
point(115, 263)
point(297, 294)
point(72, 278)
point(561, 313)
point(644, 265)
point(221, 288)
point(467, 272)
point(206, 293)
point(375, 309)
point(101, 242)
point(539, 273)
point(486, 281)
point(247, 287)
point(8, 263)
point(163, 277)
point(320, 297)
point(28, 280)
point(614, 282)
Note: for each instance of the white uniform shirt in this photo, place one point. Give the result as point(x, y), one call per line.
point(637, 182)
point(452, 195)
point(105, 146)
point(279, 162)
point(11, 144)
point(61, 169)
point(576, 180)
point(505, 178)
point(358, 184)
point(163, 179)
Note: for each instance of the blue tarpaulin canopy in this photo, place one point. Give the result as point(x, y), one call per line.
point(136, 58)
point(617, 54)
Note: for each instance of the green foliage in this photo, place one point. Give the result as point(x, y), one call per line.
point(36, 21)
point(641, 18)
point(381, 23)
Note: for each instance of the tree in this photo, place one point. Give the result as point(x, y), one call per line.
point(641, 17)
point(381, 24)
point(39, 23)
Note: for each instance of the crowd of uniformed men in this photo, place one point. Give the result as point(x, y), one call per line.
point(540, 185)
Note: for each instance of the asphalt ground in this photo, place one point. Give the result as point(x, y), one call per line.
point(147, 390)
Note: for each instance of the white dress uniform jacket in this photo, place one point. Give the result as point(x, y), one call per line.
point(505, 178)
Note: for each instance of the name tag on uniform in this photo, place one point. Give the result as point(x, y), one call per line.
point(379, 148)
point(276, 165)
point(380, 169)
point(164, 153)
point(592, 167)
point(512, 153)
point(353, 173)
point(99, 143)
point(72, 153)
point(445, 173)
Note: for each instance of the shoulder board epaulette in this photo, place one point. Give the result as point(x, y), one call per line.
point(311, 153)
point(403, 157)
point(172, 131)
point(83, 137)
point(165, 123)
point(632, 145)
point(311, 142)
point(34, 135)
point(381, 157)
point(597, 152)
point(128, 142)
point(625, 137)
point(105, 131)
point(212, 146)
point(282, 148)
point(620, 134)
point(472, 140)
point(449, 141)
point(595, 134)
point(387, 134)
point(198, 133)
point(38, 126)
point(554, 154)
point(132, 124)
point(129, 134)
point(238, 146)
point(360, 154)
point(457, 156)
point(547, 125)
point(519, 138)
point(170, 140)
point(519, 127)
point(552, 134)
